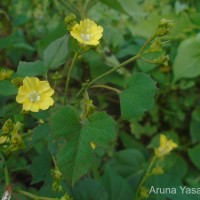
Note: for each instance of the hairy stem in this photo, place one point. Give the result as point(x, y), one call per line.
point(33, 196)
point(149, 61)
point(69, 76)
point(147, 43)
point(140, 53)
point(145, 178)
point(107, 87)
point(114, 69)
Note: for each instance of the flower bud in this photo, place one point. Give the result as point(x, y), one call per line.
point(8, 125)
point(144, 193)
point(57, 180)
point(3, 139)
point(89, 107)
point(70, 21)
point(16, 141)
point(157, 170)
point(162, 60)
point(66, 197)
point(165, 27)
point(156, 46)
point(5, 74)
point(17, 81)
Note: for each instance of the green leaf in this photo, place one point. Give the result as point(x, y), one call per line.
point(129, 163)
point(172, 177)
point(146, 27)
point(39, 133)
point(7, 88)
point(179, 195)
point(195, 126)
point(130, 5)
point(89, 189)
point(40, 166)
point(130, 142)
point(113, 4)
point(56, 53)
point(65, 122)
point(194, 155)
point(76, 156)
point(138, 97)
point(31, 68)
point(116, 186)
point(187, 61)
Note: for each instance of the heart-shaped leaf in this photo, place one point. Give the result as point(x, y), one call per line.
point(76, 156)
point(138, 97)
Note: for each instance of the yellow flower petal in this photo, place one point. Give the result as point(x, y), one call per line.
point(27, 106)
point(87, 32)
point(46, 103)
point(34, 107)
point(20, 99)
point(43, 86)
point(166, 146)
point(35, 94)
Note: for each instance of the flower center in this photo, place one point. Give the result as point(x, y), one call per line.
point(34, 96)
point(86, 36)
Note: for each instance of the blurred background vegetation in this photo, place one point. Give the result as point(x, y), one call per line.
point(28, 26)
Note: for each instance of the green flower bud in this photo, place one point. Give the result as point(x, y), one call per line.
point(165, 27)
point(17, 81)
point(56, 76)
point(16, 142)
point(157, 170)
point(56, 186)
point(156, 46)
point(89, 107)
point(16, 128)
point(3, 139)
point(8, 125)
point(70, 21)
point(57, 180)
point(66, 197)
point(144, 193)
point(162, 60)
point(56, 174)
point(5, 74)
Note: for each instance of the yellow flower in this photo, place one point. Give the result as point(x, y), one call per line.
point(35, 94)
point(166, 146)
point(87, 32)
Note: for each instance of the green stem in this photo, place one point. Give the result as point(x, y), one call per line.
point(32, 196)
point(7, 179)
point(147, 43)
point(6, 174)
point(69, 76)
point(55, 162)
point(145, 177)
point(107, 87)
point(114, 69)
point(139, 55)
point(149, 61)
